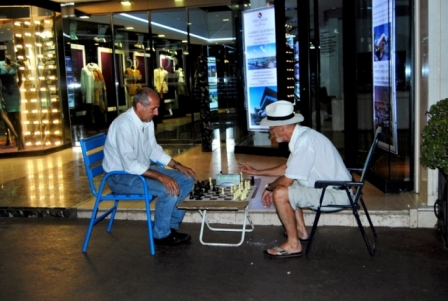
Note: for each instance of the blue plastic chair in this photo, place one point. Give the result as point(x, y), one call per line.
point(93, 154)
point(354, 195)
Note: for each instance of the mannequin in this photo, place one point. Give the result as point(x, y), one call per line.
point(132, 76)
point(99, 91)
point(181, 89)
point(11, 81)
point(94, 98)
point(160, 84)
point(44, 97)
point(87, 82)
point(5, 118)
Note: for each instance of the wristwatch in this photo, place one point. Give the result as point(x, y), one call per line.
point(175, 164)
point(267, 188)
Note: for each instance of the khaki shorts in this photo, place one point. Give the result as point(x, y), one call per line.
point(305, 197)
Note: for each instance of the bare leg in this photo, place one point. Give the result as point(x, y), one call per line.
point(8, 137)
point(287, 217)
point(8, 124)
point(301, 228)
point(16, 122)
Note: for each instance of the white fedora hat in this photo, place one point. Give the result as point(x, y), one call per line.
point(281, 112)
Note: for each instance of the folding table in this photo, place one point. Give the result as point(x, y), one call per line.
point(202, 206)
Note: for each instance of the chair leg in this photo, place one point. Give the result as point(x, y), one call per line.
point(368, 218)
point(150, 234)
point(370, 247)
point(112, 217)
point(313, 230)
point(89, 229)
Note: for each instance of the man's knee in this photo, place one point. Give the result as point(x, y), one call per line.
point(280, 195)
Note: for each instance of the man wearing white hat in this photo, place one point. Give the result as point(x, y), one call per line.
point(312, 157)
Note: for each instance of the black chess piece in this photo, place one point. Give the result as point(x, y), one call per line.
point(252, 181)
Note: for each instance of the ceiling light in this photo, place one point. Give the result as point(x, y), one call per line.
point(129, 28)
point(126, 3)
point(176, 30)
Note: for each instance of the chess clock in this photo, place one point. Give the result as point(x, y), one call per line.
point(227, 179)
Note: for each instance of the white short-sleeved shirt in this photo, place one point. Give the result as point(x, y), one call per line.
point(313, 157)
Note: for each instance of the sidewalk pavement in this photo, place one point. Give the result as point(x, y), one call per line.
point(41, 259)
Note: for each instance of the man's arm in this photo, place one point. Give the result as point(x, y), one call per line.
point(171, 185)
point(280, 181)
point(182, 168)
point(272, 171)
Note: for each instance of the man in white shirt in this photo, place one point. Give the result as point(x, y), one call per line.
point(313, 157)
point(130, 147)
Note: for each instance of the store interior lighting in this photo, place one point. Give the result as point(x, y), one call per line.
point(176, 30)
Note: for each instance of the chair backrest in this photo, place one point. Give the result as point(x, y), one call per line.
point(368, 160)
point(93, 154)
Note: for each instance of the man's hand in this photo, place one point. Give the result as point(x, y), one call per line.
point(186, 170)
point(246, 168)
point(171, 185)
point(266, 198)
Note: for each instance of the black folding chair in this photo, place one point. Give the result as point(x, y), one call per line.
point(354, 194)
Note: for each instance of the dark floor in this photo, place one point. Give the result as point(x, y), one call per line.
point(41, 259)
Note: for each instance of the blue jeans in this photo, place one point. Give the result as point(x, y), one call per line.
point(166, 216)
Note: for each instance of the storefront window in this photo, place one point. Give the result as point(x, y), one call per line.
point(91, 64)
point(31, 108)
point(158, 49)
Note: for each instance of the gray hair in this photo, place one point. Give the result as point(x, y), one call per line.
point(143, 96)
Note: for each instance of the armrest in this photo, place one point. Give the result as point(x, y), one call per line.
point(356, 170)
point(157, 163)
point(322, 184)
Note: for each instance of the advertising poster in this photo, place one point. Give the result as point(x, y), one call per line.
point(213, 83)
point(260, 63)
point(383, 58)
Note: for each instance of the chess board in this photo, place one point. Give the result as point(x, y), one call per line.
point(203, 191)
point(216, 200)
